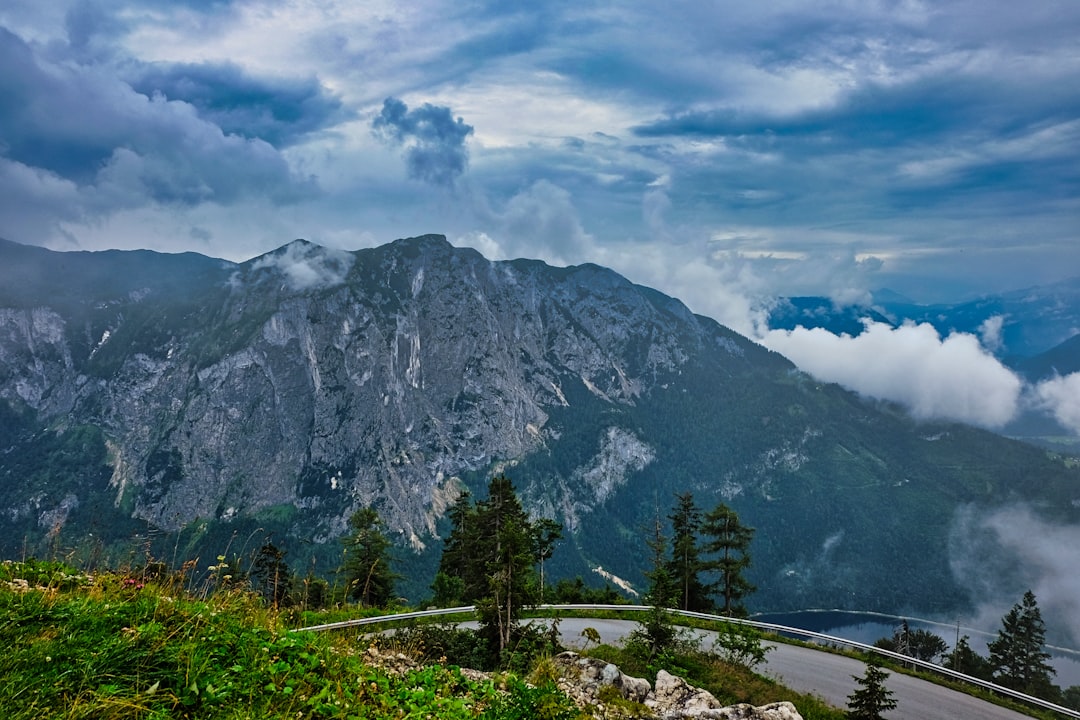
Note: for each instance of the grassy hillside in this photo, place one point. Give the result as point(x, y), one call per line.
point(148, 645)
point(116, 645)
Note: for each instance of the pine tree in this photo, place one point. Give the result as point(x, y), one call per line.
point(872, 697)
point(270, 575)
point(729, 540)
point(1017, 655)
point(463, 577)
point(368, 575)
point(547, 533)
point(686, 565)
point(656, 633)
point(510, 549)
point(490, 558)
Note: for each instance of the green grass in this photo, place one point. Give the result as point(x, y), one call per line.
point(116, 645)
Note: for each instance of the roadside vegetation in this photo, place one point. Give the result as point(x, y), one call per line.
point(139, 644)
point(151, 641)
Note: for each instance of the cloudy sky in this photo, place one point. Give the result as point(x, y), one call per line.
point(723, 152)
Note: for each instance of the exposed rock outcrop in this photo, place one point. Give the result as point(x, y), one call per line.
point(584, 680)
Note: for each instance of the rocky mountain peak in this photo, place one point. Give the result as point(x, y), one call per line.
point(206, 399)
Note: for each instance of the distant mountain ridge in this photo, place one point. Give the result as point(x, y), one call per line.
point(1035, 332)
point(193, 402)
point(1034, 320)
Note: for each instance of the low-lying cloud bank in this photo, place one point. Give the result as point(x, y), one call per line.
point(998, 554)
point(956, 377)
point(1061, 396)
point(952, 378)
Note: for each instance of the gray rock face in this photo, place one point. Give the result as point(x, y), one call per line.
point(583, 679)
point(674, 697)
point(140, 392)
point(327, 381)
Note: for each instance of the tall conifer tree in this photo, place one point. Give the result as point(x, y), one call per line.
point(490, 558)
point(686, 564)
point(1017, 656)
point(368, 575)
point(729, 540)
point(656, 633)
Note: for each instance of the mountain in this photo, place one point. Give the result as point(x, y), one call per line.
point(186, 406)
point(1035, 332)
point(1063, 359)
point(819, 312)
point(1033, 320)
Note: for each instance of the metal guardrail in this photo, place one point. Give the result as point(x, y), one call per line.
point(1038, 702)
point(376, 619)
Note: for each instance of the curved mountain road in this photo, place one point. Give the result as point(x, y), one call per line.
point(804, 669)
point(828, 676)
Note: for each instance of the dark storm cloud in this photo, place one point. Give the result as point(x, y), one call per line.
point(280, 111)
point(884, 115)
point(83, 124)
point(88, 26)
point(434, 141)
point(47, 120)
point(928, 137)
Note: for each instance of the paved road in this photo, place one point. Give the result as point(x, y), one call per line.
point(829, 676)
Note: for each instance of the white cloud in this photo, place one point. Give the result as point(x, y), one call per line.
point(538, 222)
point(990, 332)
point(1036, 554)
point(723, 286)
point(307, 266)
point(835, 131)
point(1061, 396)
point(954, 377)
point(483, 244)
point(1039, 144)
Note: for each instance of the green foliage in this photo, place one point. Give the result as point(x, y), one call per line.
point(366, 569)
point(493, 549)
point(871, 698)
point(576, 592)
point(270, 575)
point(656, 634)
point(446, 643)
point(116, 645)
point(448, 590)
point(591, 635)
point(526, 702)
point(546, 533)
point(965, 660)
point(729, 540)
point(1071, 697)
point(1017, 655)
point(686, 565)
point(741, 645)
point(441, 643)
point(617, 706)
point(58, 466)
point(311, 592)
point(532, 642)
point(919, 644)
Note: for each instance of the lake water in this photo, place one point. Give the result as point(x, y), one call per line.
point(868, 627)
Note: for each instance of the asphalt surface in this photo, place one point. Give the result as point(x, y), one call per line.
point(828, 676)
